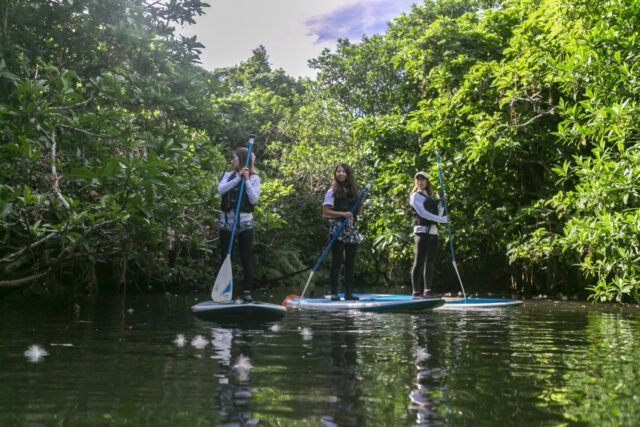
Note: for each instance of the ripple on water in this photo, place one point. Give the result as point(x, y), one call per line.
point(545, 362)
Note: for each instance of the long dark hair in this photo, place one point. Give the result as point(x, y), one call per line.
point(241, 152)
point(348, 188)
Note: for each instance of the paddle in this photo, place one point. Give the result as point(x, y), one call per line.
point(223, 286)
point(336, 235)
point(446, 212)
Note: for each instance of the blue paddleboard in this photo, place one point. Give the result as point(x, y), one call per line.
point(367, 303)
point(453, 303)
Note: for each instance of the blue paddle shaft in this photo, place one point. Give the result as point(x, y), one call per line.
point(446, 211)
point(240, 194)
point(342, 225)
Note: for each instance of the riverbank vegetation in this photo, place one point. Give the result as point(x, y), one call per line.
point(113, 137)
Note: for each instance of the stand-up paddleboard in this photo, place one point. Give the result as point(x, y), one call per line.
point(367, 303)
point(451, 303)
point(239, 311)
point(478, 303)
point(222, 307)
point(388, 300)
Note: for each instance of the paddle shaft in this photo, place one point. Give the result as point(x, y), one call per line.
point(446, 212)
point(336, 235)
point(444, 202)
point(247, 162)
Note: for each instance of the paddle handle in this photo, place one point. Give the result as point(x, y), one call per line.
point(247, 161)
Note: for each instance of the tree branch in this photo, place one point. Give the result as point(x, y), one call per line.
point(83, 131)
point(22, 281)
point(70, 107)
point(54, 171)
point(12, 256)
point(533, 119)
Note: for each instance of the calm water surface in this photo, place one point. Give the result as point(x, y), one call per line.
point(115, 361)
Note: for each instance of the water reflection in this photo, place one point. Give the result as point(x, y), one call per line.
point(306, 334)
point(424, 398)
point(199, 342)
point(419, 397)
point(600, 382)
point(234, 392)
point(180, 340)
point(35, 353)
point(542, 364)
point(344, 393)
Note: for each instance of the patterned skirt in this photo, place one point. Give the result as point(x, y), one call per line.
point(349, 234)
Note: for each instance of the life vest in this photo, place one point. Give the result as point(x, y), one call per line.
point(431, 205)
point(343, 204)
point(230, 199)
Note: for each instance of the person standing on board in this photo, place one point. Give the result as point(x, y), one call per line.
point(336, 205)
point(229, 187)
point(426, 213)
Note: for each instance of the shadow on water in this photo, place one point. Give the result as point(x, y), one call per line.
point(147, 360)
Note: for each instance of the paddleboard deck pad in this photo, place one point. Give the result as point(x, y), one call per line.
point(376, 303)
point(238, 311)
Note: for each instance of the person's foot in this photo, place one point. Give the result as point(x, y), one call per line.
point(428, 294)
point(416, 294)
point(334, 297)
point(350, 297)
point(246, 297)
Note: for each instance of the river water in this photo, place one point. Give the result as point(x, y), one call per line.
point(117, 361)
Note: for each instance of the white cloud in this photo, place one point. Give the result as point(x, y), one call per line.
point(355, 19)
point(292, 31)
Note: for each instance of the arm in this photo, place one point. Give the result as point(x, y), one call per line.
point(253, 188)
point(327, 212)
point(224, 185)
point(417, 203)
point(327, 207)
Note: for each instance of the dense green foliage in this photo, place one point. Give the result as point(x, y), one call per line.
point(533, 107)
point(113, 138)
point(105, 156)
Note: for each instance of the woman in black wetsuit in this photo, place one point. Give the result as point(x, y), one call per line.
point(426, 213)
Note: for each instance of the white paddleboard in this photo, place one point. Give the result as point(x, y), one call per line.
point(238, 311)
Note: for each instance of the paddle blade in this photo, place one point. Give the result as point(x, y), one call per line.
point(455, 267)
point(307, 285)
point(223, 286)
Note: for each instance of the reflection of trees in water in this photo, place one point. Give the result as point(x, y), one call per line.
point(381, 369)
point(478, 362)
point(343, 381)
point(599, 384)
point(427, 398)
point(447, 349)
point(232, 348)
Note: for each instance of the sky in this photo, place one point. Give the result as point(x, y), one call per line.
point(292, 31)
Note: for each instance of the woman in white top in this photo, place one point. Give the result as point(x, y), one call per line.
point(426, 213)
point(229, 188)
point(336, 206)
